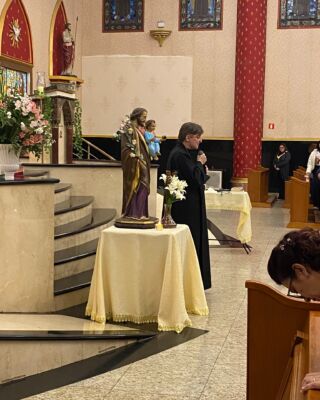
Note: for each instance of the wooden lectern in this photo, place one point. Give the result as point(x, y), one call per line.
point(258, 184)
point(299, 203)
point(283, 344)
point(299, 173)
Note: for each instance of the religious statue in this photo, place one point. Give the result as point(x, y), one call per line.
point(68, 50)
point(135, 159)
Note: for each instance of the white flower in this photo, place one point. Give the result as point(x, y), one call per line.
point(175, 190)
point(39, 130)
point(22, 126)
point(33, 124)
point(179, 195)
point(134, 142)
point(132, 155)
point(9, 114)
point(17, 104)
point(163, 177)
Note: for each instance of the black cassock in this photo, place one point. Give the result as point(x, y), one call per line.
point(192, 210)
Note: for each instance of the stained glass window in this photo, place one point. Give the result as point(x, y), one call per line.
point(16, 80)
point(299, 13)
point(200, 14)
point(123, 15)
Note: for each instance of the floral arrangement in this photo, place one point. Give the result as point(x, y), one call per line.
point(126, 129)
point(23, 124)
point(174, 189)
point(125, 126)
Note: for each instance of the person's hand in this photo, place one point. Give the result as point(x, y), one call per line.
point(311, 381)
point(206, 169)
point(307, 176)
point(202, 158)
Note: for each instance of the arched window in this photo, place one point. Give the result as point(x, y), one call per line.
point(299, 13)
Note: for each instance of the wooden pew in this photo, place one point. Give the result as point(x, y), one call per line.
point(287, 193)
point(299, 173)
point(283, 344)
point(258, 184)
point(302, 169)
point(301, 214)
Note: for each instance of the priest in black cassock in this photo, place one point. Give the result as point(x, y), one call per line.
point(189, 164)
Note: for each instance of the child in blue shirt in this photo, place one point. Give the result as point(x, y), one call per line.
point(152, 142)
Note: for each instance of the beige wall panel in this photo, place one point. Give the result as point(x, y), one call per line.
point(26, 248)
point(213, 54)
point(292, 91)
point(115, 85)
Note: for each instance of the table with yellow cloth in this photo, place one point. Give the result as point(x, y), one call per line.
point(146, 276)
point(237, 201)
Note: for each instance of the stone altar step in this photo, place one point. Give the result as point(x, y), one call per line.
point(62, 192)
point(72, 283)
point(77, 208)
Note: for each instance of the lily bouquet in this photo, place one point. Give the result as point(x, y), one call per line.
point(174, 190)
point(23, 124)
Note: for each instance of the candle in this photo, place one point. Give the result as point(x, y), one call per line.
point(159, 227)
point(160, 24)
point(40, 89)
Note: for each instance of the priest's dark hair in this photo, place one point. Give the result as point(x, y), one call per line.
point(136, 113)
point(189, 128)
point(296, 247)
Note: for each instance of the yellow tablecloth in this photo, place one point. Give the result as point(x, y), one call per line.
point(147, 276)
point(238, 201)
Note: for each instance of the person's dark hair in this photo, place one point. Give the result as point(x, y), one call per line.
point(285, 148)
point(136, 113)
point(149, 123)
point(318, 146)
point(302, 247)
point(189, 128)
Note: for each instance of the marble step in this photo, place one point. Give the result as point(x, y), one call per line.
point(62, 192)
point(74, 267)
point(77, 208)
point(71, 299)
point(31, 344)
point(102, 218)
point(75, 203)
point(72, 283)
point(75, 253)
point(35, 172)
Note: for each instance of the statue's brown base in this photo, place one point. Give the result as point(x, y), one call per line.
point(126, 222)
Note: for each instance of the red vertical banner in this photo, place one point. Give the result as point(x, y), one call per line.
point(249, 85)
